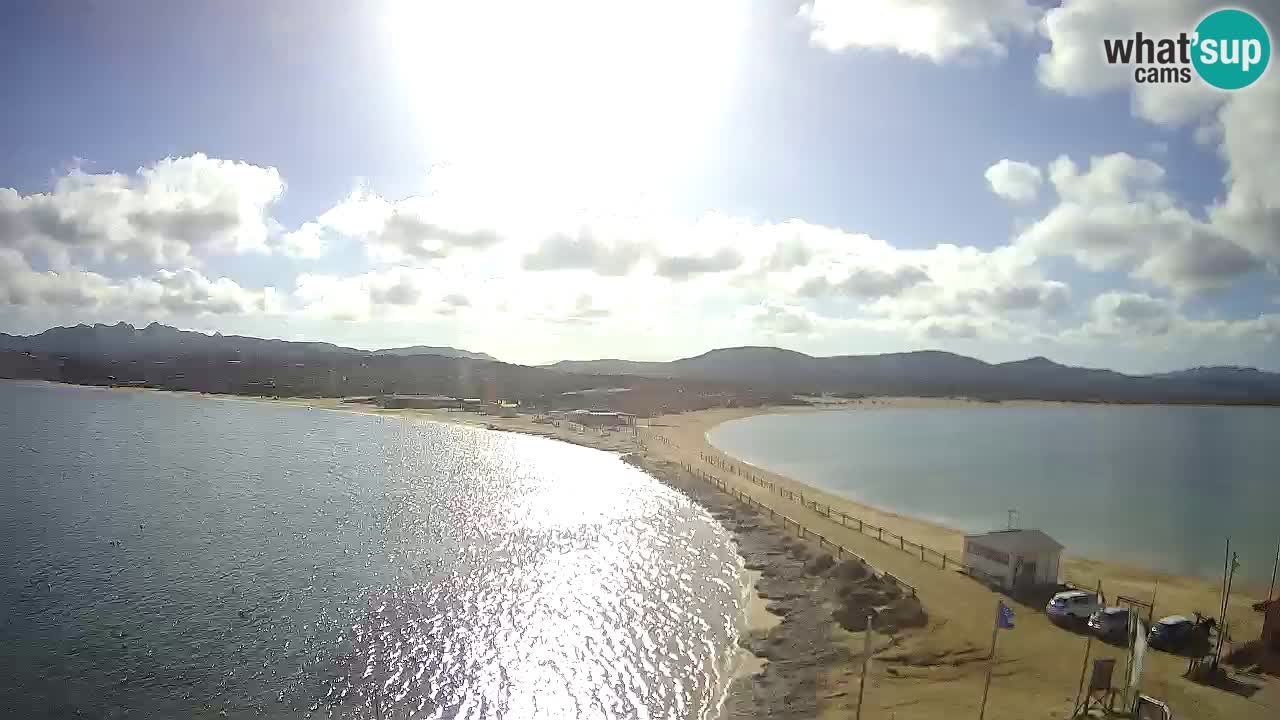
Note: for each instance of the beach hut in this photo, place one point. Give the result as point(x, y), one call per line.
point(1014, 559)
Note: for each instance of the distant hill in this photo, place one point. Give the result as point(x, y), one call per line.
point(160, 356)
point(163, 356)
point(432, 350)
point(936, 373)
point(124, 340)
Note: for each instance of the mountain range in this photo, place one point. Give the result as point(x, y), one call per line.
point(936, 373)
point(160, 356)
point(164, 356)
point(124, 340)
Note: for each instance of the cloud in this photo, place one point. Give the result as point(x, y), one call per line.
point(1250, 128)
point(1013, 180)
point(1244, 124)
point(401, 291)
point(168, 213)
point(951, 329)
point(781, 319)
point(409, 230)
point(1117, 214)
point(866, 283)
point(584, 250)
point(574, 308)
point(1049, 296)
point(185, 292)
point(682, 267)
point(933, 29)
point(1142, 320)
point(406, 233)
point(305, 242)
point(1124, 313)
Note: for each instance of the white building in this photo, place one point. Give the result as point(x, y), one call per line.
point(1014, 559)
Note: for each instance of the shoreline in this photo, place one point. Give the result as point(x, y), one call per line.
point(902, 522)
point(967, 603)
point(912, 526)
point(811, 662)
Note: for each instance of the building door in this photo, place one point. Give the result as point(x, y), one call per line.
point(1025, 577)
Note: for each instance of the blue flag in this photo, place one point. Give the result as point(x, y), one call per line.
point(1005, 618)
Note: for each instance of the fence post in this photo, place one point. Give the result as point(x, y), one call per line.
point(944, 561)
point(859, 524)
point(902, 543)
point(921, 553)
point(880, 534)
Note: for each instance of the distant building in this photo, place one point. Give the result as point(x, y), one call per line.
point(600, 418)
point(420, 402)
point(1014, 559)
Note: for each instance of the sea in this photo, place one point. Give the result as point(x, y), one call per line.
point(1158, 487)
point(171, 555)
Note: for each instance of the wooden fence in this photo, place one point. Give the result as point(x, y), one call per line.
point(839, 551)
point(888, 537)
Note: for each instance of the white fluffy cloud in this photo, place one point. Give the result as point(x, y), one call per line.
point(1118, 214)
point(780, 319)
point(585, 249)
point(1143, 320)
point(181, 293)
point(1014, 180)
point(1244, 124)
point(398, 231)
point(165, 214)
point(398, 292)
point(932, 29)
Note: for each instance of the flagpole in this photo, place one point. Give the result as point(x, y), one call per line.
point(866, 659)
point(1274, 567)
point(1084, 668)
point(1226, 600)
point(1226, 562)
point(986, 686)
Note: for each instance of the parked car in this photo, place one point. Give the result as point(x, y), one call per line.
point(1110, 623)
point(1174, 633)
point(1072, 606)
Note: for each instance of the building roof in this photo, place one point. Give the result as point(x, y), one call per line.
point(413, 396)
point(1017, 541)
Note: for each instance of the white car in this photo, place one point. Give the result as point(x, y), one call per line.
point(1072, 606)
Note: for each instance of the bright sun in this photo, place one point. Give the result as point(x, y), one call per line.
point(579, 96)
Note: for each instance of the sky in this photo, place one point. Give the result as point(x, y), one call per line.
point(578, 179)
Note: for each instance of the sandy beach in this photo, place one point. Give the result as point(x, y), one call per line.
point(1039, 663)
point(936, 671)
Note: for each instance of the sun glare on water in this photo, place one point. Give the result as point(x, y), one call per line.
point(575, 96)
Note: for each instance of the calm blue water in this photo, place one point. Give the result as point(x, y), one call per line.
point(1159, 487)
point(173, 556)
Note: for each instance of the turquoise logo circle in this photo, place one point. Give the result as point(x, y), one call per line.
point(1231, 50)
